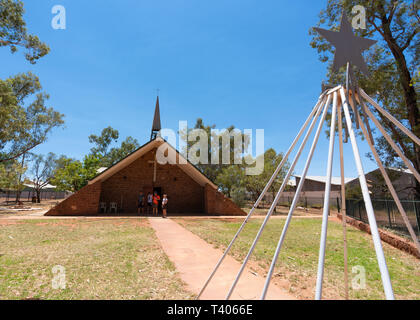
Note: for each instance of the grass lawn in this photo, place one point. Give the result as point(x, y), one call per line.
point(103, 259)
point(297, 264)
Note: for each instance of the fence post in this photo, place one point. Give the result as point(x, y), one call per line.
point(360, 212)
point(417, 213)
point(389, 214)
point(347, 208)
point(338, 205)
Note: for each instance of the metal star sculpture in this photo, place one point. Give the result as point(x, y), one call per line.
point(348, 47)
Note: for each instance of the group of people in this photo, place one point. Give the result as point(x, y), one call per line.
point(152, 201)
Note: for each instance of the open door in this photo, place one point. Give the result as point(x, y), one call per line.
point(158, 190)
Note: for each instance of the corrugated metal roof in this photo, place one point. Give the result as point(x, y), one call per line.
point(48, 186)
point(323, 179)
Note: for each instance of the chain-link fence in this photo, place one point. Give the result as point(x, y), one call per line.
point(305, 201)
point(386, 211)
point(387, 214)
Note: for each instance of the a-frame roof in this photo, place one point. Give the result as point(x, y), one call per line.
point(185, 165)
point(156, 126)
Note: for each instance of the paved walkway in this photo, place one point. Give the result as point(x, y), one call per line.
point(40, 215)
point(194, 259)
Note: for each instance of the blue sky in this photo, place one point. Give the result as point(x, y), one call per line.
point(241, 62)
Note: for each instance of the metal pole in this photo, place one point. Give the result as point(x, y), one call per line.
point(273, 205)
point(263, 193)
point(343, 203)
point(391, 118)
point(389, 185)
point(295, 202)
point(392, 143)
point(326, 209)
point(386, 281)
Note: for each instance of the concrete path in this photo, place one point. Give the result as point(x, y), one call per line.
point(195, 259)
point(40, 215)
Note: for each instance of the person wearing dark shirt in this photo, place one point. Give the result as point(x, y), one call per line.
point(140, 204)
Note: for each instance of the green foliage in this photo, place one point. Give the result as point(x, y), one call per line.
point(238, 195)
point(10, 175)
point(354, 192)
point(24, 118)
point(102, 142)
point(215, 141)
point(377, 183)
point(72, 175)
point(116, 154)
point(25, 124)
point(43, 168)
point(13, 32)
point(230, 178)
point(108, 155)
point(255, 184)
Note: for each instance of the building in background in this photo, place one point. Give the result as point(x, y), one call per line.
point(116, 189)
point(403, 181)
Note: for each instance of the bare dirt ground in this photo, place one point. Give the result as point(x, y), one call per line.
point(10, 209)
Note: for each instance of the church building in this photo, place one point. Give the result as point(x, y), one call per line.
point(115, 190)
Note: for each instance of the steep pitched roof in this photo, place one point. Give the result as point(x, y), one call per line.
point(156, 119)
point(185, 165)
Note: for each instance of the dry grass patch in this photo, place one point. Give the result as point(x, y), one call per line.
point(297, 264)
point(103, 259)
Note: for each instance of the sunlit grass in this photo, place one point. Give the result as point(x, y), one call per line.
point(298, 259)
point(103, 259)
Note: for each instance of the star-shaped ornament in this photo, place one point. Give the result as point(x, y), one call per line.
point(348, 47)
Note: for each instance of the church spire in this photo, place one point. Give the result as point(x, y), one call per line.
point(156, 121)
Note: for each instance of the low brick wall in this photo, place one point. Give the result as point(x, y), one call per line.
point(388, 237)
point(83, 202)
point(216, 203)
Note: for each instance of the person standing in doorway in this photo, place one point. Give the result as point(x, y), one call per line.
point(140, 205)
point(164, 205)
point(149, 202)
point(155, 203)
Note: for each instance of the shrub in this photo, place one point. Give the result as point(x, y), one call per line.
point(239, 196)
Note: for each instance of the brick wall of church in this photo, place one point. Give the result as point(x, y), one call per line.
point(217, 204)
point(184, 194)
point(83, 202)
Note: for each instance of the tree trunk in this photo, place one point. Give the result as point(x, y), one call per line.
point(410, 95)
point(19, 191)
point(38, 196)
